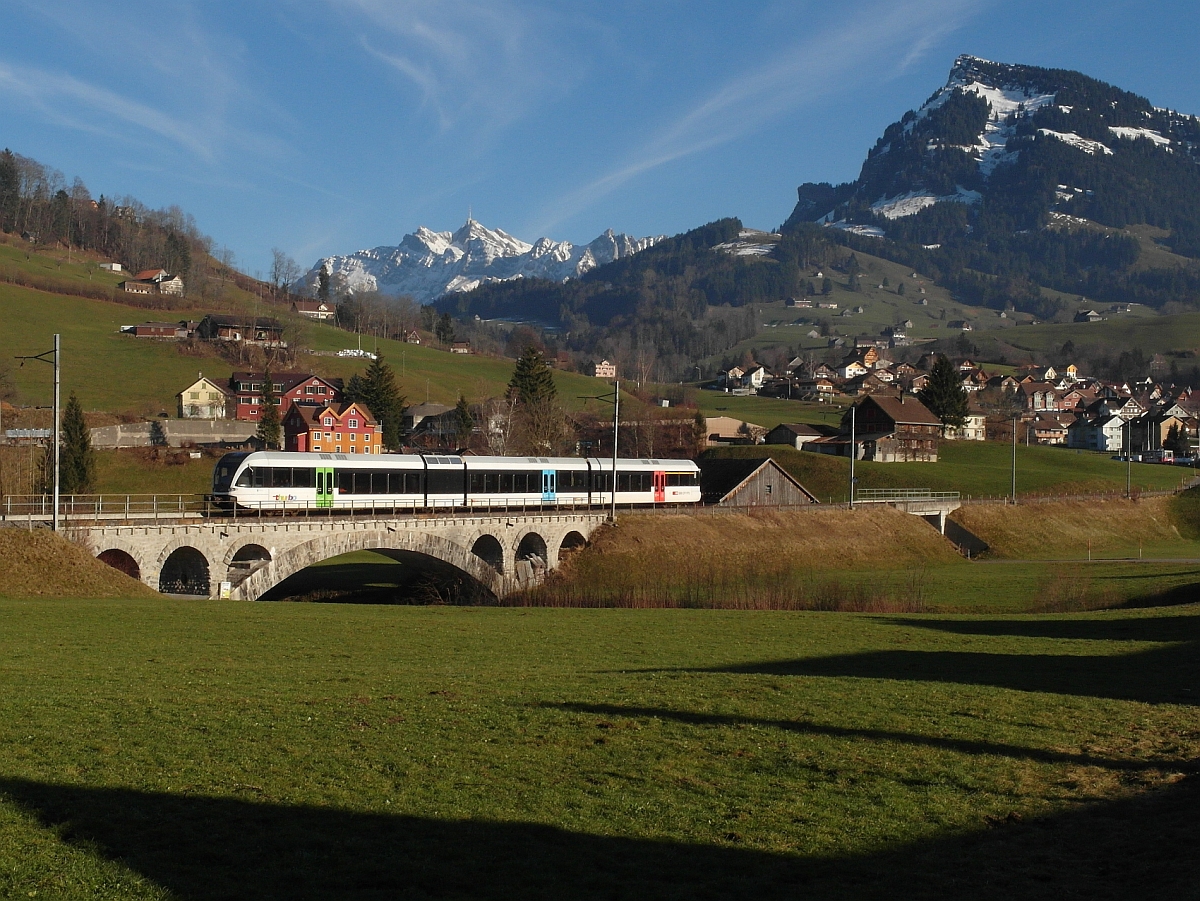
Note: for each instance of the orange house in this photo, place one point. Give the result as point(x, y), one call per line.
point(332, 429)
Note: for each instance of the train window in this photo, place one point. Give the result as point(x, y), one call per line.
point(302, 478)
point(246, 479)
point(281, 477)
point(681, 479)
point(572, 480)
point(634, 481)
point(445, 481)
point(602, 481)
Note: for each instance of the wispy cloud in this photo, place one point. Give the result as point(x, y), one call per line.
point(479, 63)
point(805, 73)
point(75, 103)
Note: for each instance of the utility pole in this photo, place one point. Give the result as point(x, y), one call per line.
point(1014, 460)
point(853, 451)
point(1128, 457)
point(55, 445)
point(616, 426)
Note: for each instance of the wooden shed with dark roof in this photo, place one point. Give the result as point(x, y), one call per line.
point(757, 482)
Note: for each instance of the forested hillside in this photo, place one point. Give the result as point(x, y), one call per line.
point(1015, 178)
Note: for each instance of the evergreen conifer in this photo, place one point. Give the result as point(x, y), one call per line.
point(532, 381)
point(77, 468)
point(377, 389)
point(944, 394)
point(270, 430)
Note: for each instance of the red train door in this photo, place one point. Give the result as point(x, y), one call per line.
point(660, 487)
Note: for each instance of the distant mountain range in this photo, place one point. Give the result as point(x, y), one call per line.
point(428, 264)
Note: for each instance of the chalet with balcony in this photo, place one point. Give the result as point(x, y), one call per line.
point(319, 310)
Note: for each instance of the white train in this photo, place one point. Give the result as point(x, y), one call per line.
point(275, 480)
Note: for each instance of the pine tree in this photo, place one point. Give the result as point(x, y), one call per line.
point(900, 289)
point(827, 286)
point(270, 430)
point(532, 381)
point(464, 422)
point(323, 285)
point(944, 394)
point(77, 467)
point(377, 389)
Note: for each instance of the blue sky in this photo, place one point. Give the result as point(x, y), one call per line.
point(327, 127)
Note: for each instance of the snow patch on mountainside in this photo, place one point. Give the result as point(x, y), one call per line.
point(1132, 134)
point(913, 202)
point(427, 264)
point(1084, 144)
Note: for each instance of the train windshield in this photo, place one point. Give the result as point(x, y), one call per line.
point(225, 469)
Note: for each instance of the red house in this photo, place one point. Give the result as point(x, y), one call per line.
point(332, 429)
point(290, 388)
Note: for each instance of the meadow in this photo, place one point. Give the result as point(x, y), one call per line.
point(162, 749)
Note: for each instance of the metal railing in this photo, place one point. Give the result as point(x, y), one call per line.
point(882, 495)
point(30, 507)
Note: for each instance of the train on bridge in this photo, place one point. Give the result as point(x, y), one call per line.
point(289, 481)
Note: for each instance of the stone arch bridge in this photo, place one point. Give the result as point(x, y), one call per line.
point(245, 559)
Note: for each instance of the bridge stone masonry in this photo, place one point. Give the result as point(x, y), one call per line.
point(245, 559)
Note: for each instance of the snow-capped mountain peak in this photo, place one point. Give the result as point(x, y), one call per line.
point(427, 264)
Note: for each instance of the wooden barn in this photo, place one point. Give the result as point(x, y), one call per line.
point(750, 483)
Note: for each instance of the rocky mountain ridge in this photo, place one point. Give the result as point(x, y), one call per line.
point(428, 264)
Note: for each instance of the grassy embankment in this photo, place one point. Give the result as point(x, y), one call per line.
point(40, 564)
point(876, 560)
point(155, 749)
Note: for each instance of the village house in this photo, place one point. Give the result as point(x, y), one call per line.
point(1049, 428)
point(153, 281)
point(886, 430)
point(289, 388)
point(415, 414)
point(723, 430)
point(1038, 396)
point(258, 330)
point(169, 330)
point(795, 434)
point(460, 347)
point(1099, 432)
point(204, 399)
point(604, 370)
point(319, 310)
point(336, 428)
point(1088, 316)
point(974, 427)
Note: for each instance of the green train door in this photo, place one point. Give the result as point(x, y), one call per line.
point(324, 487)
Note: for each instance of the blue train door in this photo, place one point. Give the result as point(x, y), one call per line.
point(549, 484)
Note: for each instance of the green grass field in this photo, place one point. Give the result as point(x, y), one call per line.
point(159, 749)
point(974, 469)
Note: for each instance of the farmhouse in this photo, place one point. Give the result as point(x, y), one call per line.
point(248, 329)
point(886, 430)
point(314, 309)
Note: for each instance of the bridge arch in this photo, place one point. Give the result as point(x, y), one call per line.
point(489, 549)
point(125, 556)
point(122, 561)
point(401, 544)
point(185, 571)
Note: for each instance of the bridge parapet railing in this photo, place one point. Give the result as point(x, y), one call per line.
point(884, 495)
point(39, 507)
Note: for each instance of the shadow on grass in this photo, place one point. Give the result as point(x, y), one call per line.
point(958, 745)
point(217, 848)
point(408, 579)
point(1169, 674)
